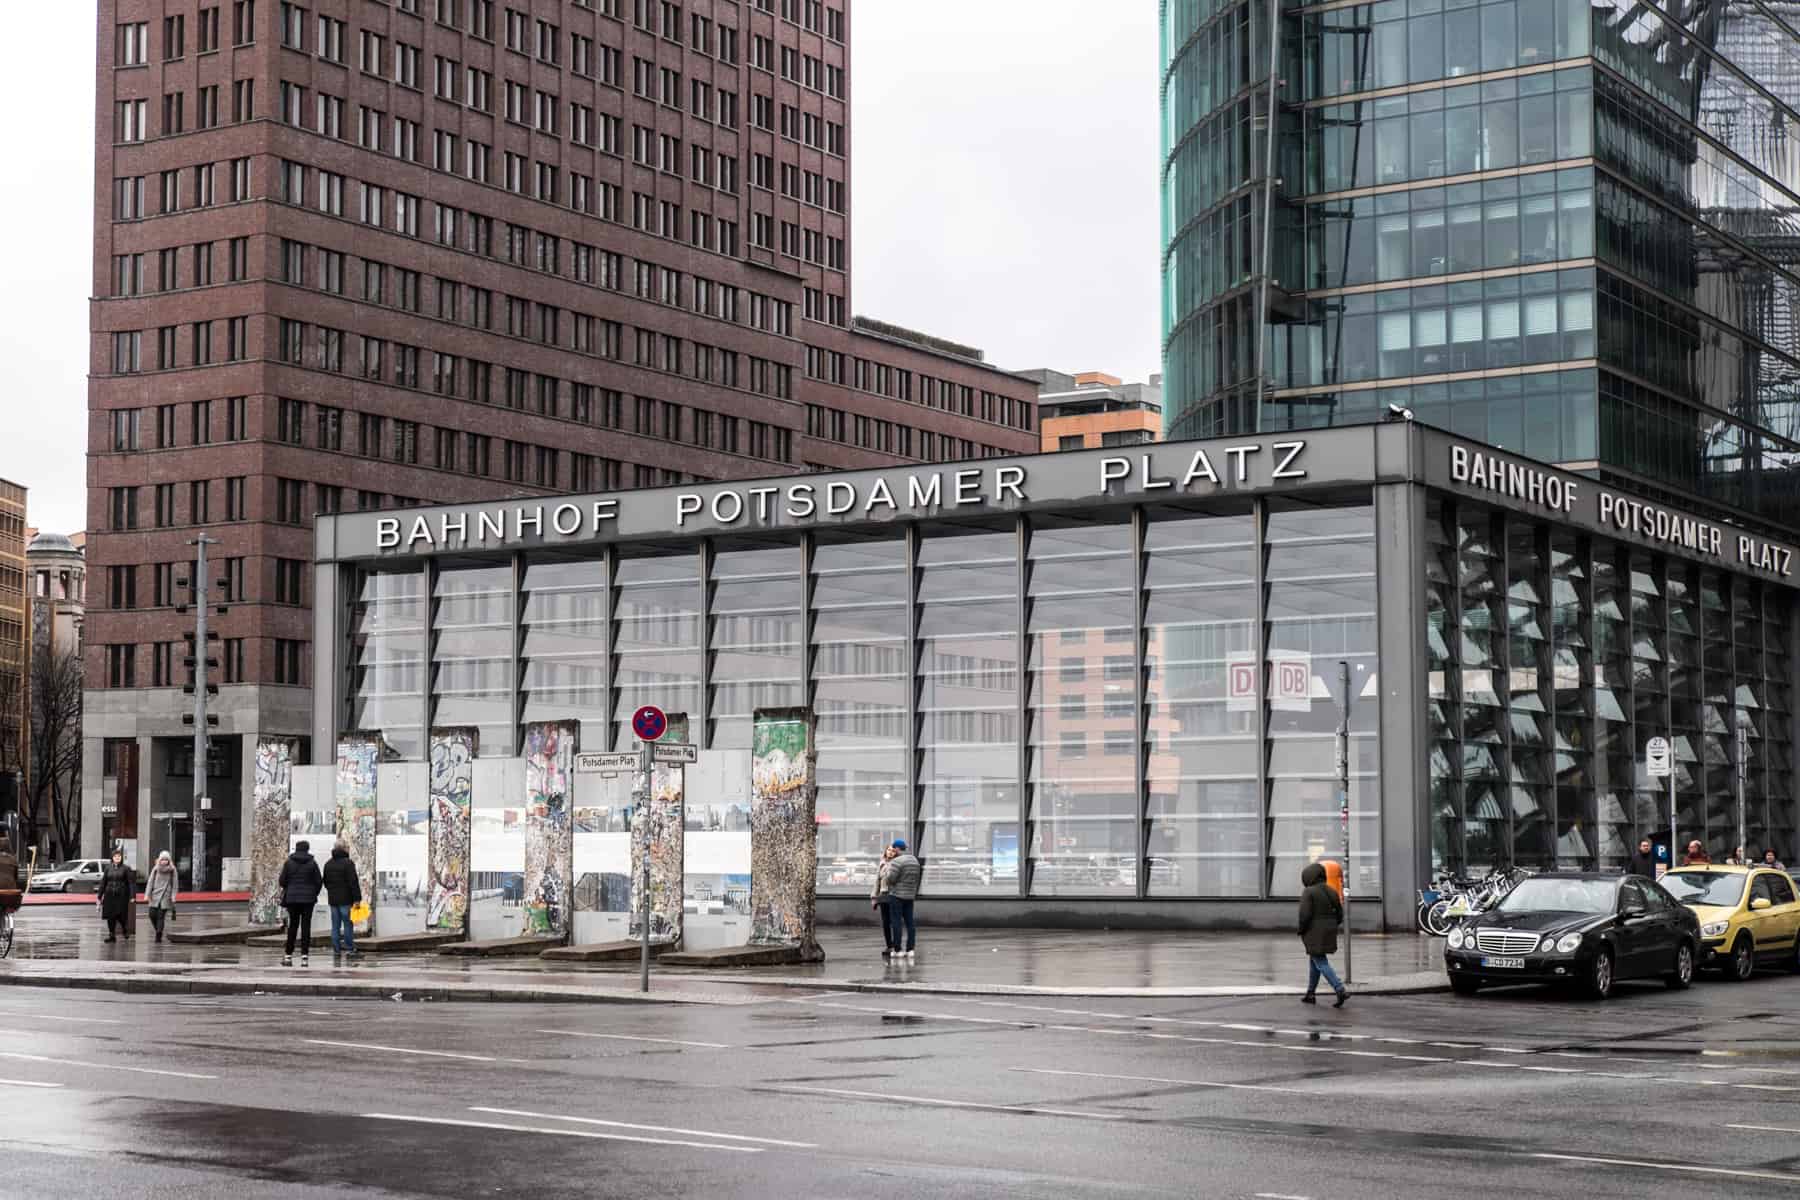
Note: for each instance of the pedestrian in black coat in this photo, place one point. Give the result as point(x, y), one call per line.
point(300, 883)
point(343, 892)
point(118, 887)
point(1643, 862)
point(1321, 912)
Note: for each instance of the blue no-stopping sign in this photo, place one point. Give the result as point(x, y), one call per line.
point(649, 723)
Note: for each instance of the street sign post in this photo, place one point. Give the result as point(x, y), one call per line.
point(643, 815)
point(605, 764)
point(675, 752)
point(1659, 764)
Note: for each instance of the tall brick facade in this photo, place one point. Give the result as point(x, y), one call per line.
point(354, 254)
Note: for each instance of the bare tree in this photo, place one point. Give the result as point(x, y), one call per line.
point(13, 742)
point(56, 748)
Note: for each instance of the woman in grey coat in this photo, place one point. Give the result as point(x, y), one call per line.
point(159, 892)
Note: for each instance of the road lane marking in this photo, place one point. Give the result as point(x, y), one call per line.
point(939, 1102)
point(27, 1083)
point(1320, 1045)
point(593, 1134)
point(1765, 1128)
point(1278, 1196)
point(706, 1133)
point(1238, 1087)
point(626, 1037)
point(1683, 1168)
point(79, 1020)
point(70, 1062)
point(408, 1050)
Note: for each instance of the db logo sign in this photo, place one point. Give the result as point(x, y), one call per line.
point(1243, 681)
point(1292, 680)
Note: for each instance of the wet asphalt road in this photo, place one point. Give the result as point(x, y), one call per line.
point(842, 1094)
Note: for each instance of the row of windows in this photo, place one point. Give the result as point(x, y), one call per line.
point(289, 662)
point(1453, 131)
point(334, 271)
point(131, 46)
point(1368, 46)
point(202, 418)
point(472, 87)
point(168, 583)
point(891, 437)
point(897, 383)
point(1546, 316)
point(326, 427)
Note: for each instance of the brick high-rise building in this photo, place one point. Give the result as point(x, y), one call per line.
point(354, 254)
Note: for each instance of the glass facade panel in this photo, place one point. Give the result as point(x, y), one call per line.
point(1082, 707)
point(754, 637)
point(859, 680)
point(1320, 588)
point(387, 659)
point(472, 653)
point(564, 644)
point(1201, 688)
point(968, 707)
point(656, 635)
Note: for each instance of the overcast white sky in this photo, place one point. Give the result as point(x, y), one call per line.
point(1004, 195)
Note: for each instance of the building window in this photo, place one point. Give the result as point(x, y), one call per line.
point(231, 660)
point(287, 661)
point(121, 666)
point(122, 503)
point(289, 579)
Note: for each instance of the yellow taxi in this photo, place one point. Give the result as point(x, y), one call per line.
point(1748, 915)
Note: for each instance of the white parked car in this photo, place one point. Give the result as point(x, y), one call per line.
point(76, 875)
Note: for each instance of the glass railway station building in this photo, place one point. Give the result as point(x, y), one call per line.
point(1103, 686)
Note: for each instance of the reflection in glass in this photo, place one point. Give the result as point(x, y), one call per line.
point(1082, 692)
point(1321, 611)
point(656, 635)
point(755, 637)
point(1202, 680)
point(564, 622)
point(387, 651)
point(859, 682)
point(968, 654)
point(471, 663)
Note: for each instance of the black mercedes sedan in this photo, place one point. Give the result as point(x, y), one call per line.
point(1582, 929)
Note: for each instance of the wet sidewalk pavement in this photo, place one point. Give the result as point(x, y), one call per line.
point(66, 947)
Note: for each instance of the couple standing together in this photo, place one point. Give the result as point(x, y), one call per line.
point(300, 883)
point(896, 887)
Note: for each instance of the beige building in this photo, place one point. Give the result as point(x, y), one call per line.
point(1092, 409)
point(15, 648)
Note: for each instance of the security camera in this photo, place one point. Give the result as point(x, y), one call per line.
point(1396, 412)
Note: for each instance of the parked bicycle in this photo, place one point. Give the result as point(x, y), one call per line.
point(1451, 899)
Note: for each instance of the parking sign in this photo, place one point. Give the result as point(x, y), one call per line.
point(1657, 759)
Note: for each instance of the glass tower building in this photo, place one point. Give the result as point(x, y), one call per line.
point(1567, 229)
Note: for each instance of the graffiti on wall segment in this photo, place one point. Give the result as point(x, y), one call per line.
point(358, 754)
point(783, 836)
point(272, 806)
point(450, 788)
point(549, 829)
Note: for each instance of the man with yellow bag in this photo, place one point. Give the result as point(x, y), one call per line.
point(343, 891)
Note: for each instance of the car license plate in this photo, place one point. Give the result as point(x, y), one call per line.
point(1504, 964)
